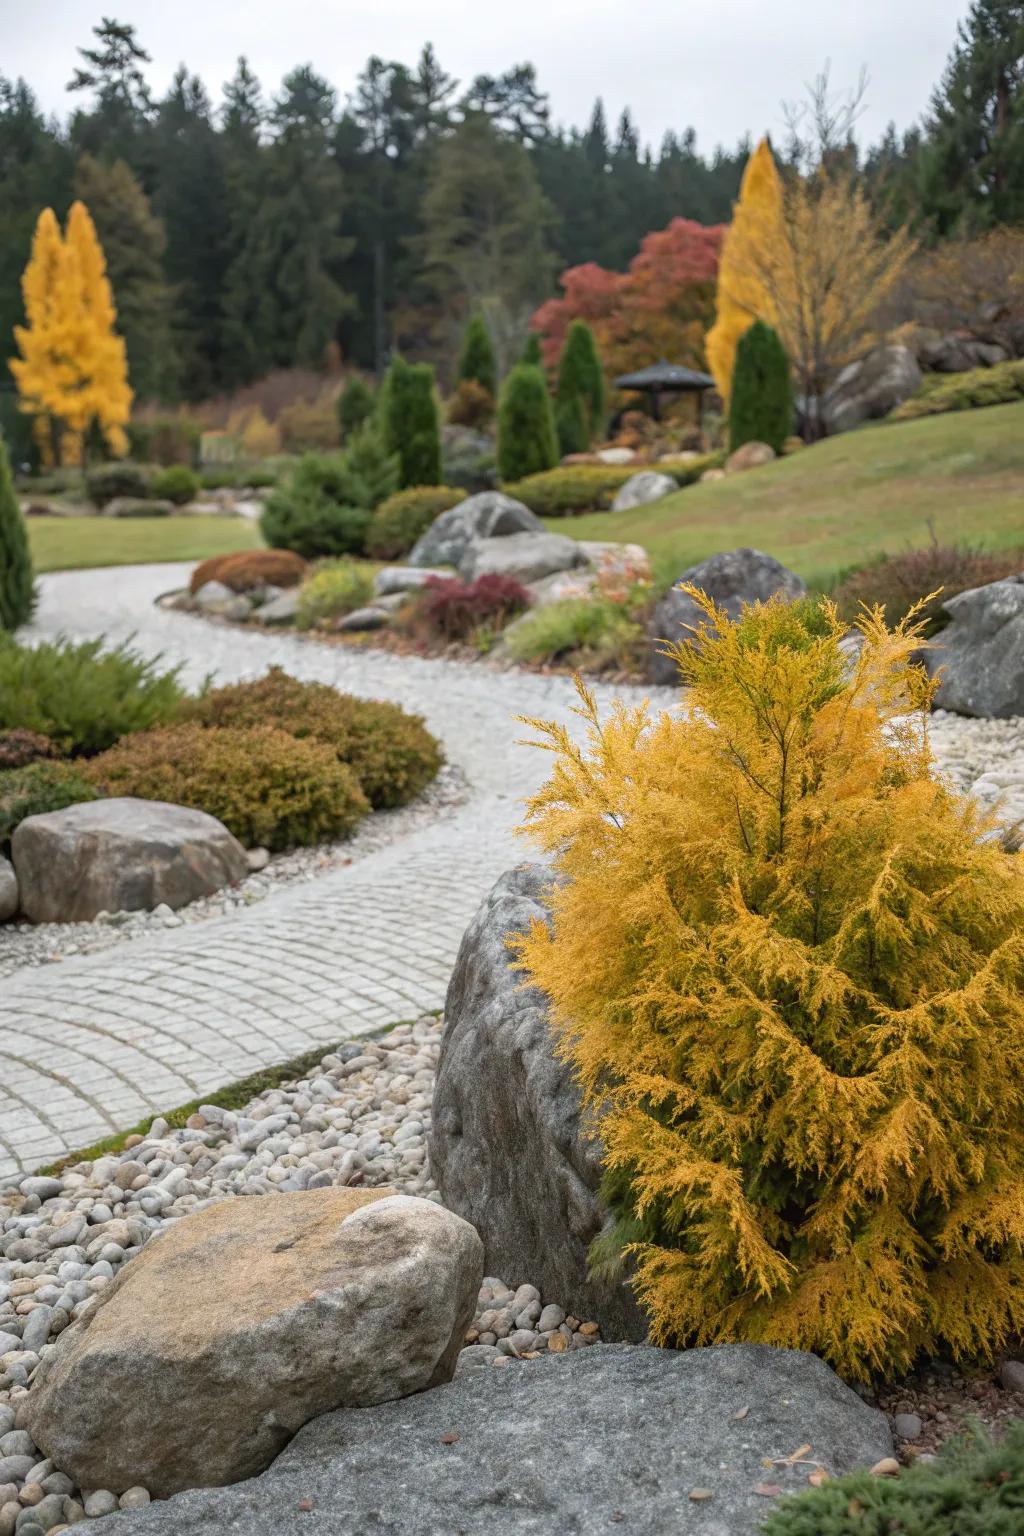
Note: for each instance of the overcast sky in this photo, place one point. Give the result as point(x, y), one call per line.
point(721, 65)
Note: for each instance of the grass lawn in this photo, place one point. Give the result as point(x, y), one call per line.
point(73, 543)
point(849, 498)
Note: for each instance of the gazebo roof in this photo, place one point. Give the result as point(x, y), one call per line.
point(665, 376)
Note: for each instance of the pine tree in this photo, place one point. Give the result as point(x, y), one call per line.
point(477, 360)
point(761, 403)
point(742, 296)
point(355, 405)
point(411, 421)
point(973, 174)
point(526, 425)
point(580, 377)
point(133, 244)
point(16, 595)
point(118, 126)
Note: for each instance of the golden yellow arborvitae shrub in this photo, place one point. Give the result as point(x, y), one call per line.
point(787, 970)
point(742, 295)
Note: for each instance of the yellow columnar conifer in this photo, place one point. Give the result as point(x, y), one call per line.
point(72, 372)
point(786, 965)
point(742, 296)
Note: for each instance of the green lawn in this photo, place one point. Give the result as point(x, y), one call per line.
point(847, 499)
point(74, 543)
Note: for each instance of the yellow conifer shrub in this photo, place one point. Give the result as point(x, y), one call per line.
point(742, 296)
point(786, 966)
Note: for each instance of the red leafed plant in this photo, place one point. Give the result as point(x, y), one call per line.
point(455, 609)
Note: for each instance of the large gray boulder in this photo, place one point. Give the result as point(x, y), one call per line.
point(507, 1146)
point(649, 485)
point(980, 654)
point(522, 557)
point(734, 579)
point(871, 387)
point(8, 890)
point(610, 1437)
point(120, 855)
point(489, 515)
point(235, 1326)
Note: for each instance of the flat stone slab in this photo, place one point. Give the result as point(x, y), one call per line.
point(580, 1443)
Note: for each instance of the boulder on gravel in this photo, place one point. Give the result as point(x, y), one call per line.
point(608, 1437)
point(980, 653)
point(507, 1146)
point(489, 515)
point(215, 598)
point(235, 1326)
point(8, 890)
point(733, 579)
point(648, 485)
point(282, 609)
point(523, 557)
point(396, 580)
point(120, 855)
point(871, 387)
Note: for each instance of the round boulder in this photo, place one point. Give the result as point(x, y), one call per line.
point(120, 855)
point(750, 456)
point(490, 515)
point(733, 579)
point(979, 656)
point(521, 557)
point(238, 1324)
point(8, 890)
point(648, 485)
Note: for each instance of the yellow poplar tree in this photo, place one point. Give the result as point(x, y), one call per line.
point(742, 294)
point(72, 372)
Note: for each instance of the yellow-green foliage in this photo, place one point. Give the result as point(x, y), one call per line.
point(787, 971)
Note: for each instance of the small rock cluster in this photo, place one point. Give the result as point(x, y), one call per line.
point(938, 1402)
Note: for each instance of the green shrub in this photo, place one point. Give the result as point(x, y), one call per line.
point(580, 378)
point(391, 753)
point(372, 466)
point(476, 359)
point(969, 391)
point(108, 481)
point(230, 477)
point(177, 483)
point(594, 634)
point(761, 403)
point(897, 582)
point(268, 788)
point(319, 510)
point(36, 788)
point(355, 405)
point(974, 1488)
point(571, 424)
point(81, 696)
point(526, 425)
point(399, 521)
point(575, 488)
point(16, 591)
point(410, 422)
point(532, 354)
point(336, 587)
point(19, 748)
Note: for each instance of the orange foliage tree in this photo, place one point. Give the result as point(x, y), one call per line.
point(660, 307)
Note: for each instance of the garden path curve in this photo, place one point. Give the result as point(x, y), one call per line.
point(97, 1042)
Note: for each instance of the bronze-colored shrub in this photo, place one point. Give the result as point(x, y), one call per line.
point(19, 747)
point(267, 787)
point(249, 568)
point(898, 582)
point(391, 753)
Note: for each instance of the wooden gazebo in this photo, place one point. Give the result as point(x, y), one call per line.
point(667, 379)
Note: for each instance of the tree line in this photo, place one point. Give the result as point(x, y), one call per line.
point(266, 231)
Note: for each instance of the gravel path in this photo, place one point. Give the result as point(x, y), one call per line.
point(96, 1043)
point(101, 1040)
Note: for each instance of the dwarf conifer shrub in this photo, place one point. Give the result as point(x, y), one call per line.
point(321, 509)
point(411, 422)
point(176, 483)
point(248, 569)
point(974, 1488)
point(476, 359)
point(761, 402)
point(81, 696)
point(786, 968)
point(532, 353)
point(391, 752)
point(36, 788)
point(376, 469)
point(526, 425)
point(108, 481)
point(355, 405)
point(16, 593)
point(268, 788)
point(399, 521)
point(580, 379)
point(335, 588)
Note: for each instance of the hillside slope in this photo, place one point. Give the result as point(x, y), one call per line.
point(846, 499)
